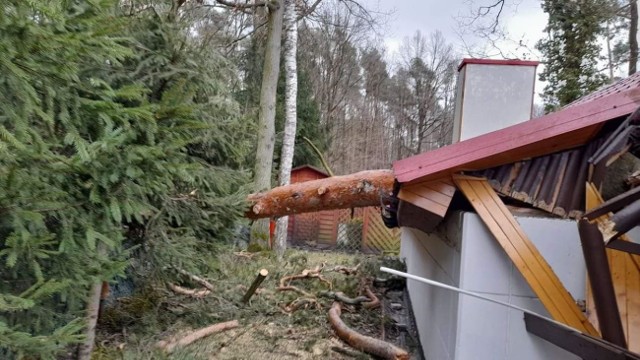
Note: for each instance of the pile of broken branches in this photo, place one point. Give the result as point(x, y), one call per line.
point(308, 297)
point(360, 342)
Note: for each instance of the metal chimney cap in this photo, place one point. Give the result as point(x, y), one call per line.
point(511, 62)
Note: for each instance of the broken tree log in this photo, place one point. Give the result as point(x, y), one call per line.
point(361, 189)
point(169, 345)
point(360, 342)
point(262, 274)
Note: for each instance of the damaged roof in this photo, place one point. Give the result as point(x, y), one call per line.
point(575, 125)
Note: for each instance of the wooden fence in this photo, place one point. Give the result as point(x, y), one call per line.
point(360, 230)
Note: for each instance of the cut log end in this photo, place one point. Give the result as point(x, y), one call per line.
point(262, 274)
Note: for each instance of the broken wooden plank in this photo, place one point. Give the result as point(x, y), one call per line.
point(525, 256)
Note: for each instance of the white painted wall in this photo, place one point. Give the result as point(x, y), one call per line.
point(492, 97)
point(453, 326)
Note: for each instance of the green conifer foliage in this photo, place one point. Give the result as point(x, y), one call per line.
point(571, 50)
point(118, 147)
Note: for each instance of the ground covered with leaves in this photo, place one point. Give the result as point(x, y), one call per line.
point(273, 325)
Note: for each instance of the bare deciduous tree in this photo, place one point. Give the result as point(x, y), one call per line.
point(291, 96)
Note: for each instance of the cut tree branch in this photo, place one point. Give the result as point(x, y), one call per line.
point(246, 5)
point(361, 189)
point(319, 153)
point(306, 274)
point(198, 294)
point(374, 301)
point(340, 296)
point(203, 282)
point(360, 342)
point(170, 345)
point(346, 270)
point(262, 274)
point(301, 302)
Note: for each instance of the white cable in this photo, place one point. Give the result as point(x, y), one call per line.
point(470, 293)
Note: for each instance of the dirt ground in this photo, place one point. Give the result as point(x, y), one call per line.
point(266, 331)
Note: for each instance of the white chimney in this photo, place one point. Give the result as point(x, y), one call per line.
point(492, 95)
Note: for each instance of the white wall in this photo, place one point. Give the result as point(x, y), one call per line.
point(460, 327)
point(492, 97)
point(435, 309)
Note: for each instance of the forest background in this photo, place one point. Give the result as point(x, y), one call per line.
point(130, 130)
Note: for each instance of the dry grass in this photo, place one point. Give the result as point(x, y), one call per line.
point(266, 331)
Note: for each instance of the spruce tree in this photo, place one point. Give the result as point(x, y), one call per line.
point(118, 150)
point(571, 50)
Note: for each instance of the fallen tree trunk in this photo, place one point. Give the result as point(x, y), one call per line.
point(360, 342)
point(337, 192)
point(169, 346)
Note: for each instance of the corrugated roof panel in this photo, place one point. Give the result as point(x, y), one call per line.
point(632, 81)
point(550, 182)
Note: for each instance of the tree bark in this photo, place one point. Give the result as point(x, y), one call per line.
point(92, 312)
point(93, 307)
point(633, 36)
point(367, 344)
point(267, 113)
point(361, 189)
point(290, 103)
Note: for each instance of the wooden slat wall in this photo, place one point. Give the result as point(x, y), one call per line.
point(326, 227)
point(525, 256)
point(377, 237)
point(625, 273)
point(433, 196)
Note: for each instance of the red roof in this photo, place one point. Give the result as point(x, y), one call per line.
point(572, 126)
point(513, 62)
point(310, 167)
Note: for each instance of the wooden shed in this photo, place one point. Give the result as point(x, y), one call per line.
point(311, 228)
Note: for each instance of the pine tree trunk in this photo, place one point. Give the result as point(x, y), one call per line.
point(291, 95)
point(365, 188)
point(633, 36)
point(267, 113)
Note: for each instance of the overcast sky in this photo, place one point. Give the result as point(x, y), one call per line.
point(523, 20)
